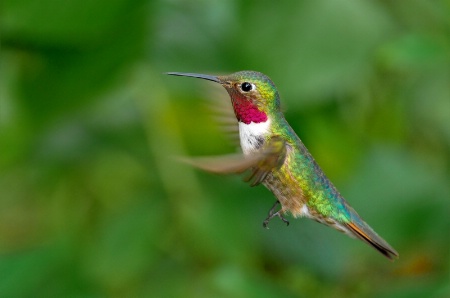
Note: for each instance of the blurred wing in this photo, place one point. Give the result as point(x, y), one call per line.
point(219, 104)
point(271, 156)
point(223, 164)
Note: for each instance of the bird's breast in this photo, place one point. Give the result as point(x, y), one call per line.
point(252, 135)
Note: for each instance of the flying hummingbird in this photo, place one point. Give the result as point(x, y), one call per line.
point(276, 157)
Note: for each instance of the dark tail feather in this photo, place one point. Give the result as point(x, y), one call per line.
point(366, 234)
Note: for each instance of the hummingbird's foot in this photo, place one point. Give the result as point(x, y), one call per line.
point(273, 214)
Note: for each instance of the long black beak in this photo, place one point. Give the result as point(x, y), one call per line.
point(195, 75)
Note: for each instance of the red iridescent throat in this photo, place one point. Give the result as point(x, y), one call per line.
point(246, 111)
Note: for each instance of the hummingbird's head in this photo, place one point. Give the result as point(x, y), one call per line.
point(253, 95)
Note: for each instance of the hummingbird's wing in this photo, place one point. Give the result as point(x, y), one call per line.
point(273, 154)
point(223, 164)
point(260, 163)
point(222, 111)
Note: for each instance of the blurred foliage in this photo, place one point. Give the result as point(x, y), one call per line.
point(93, 204)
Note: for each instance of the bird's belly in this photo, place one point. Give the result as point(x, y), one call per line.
point(288, 192)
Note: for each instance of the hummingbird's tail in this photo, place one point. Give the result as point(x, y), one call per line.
point(362, 231)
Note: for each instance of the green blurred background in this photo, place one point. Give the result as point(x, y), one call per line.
point(92, 203)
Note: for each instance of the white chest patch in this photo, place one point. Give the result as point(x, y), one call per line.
point(252, 135)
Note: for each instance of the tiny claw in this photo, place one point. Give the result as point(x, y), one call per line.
point(284, 220)
point(272, 214)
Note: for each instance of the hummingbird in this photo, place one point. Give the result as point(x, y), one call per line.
point(275, 157)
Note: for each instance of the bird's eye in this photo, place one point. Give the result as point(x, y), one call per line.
point(246, 87)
